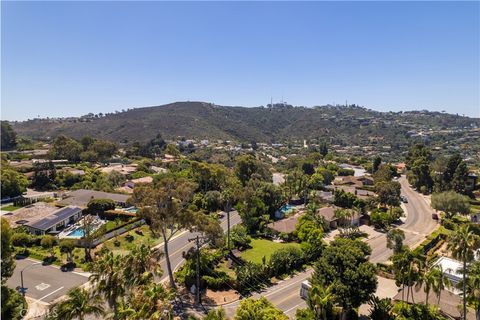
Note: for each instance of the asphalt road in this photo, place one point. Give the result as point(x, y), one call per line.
point(285, 295)
point(180, 244)
point(44, 283)
point(417, 225)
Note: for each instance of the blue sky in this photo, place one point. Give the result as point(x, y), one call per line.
point(71, 58)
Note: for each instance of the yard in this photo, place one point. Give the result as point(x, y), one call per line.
point(122, 244)
point(11, 207)
point(263, 248)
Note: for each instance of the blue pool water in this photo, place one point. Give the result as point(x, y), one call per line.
point(77, 233)
point(285, 208)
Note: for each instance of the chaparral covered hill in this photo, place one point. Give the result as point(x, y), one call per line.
point(339, 124)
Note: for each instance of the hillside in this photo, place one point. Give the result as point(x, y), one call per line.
point(279, 123)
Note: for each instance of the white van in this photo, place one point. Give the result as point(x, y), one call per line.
point(304, 289)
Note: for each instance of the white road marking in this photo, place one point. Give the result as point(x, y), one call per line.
point(47, 295)
point(42, 286)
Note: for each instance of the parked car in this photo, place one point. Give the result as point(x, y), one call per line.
point(304, 289)
point(404, 199)
point(435, 216)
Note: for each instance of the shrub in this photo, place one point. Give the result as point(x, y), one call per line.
point(251, 277)
point(116, 214)
point(48, 241)
point(129, 237)
point(21, 239)
point(97, 206)
point(220, 281)
point(239, 237)
point(285, 260)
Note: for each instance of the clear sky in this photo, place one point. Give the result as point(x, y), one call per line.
point(71, 58)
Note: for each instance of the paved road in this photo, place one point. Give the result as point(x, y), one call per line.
point(45, 283)
point(418, 224)
point(285, 295)
point(180, 244)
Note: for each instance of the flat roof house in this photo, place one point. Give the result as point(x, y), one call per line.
point(82, 197)
point(55, 221)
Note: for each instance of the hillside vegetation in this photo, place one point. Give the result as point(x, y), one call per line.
point(279, 123)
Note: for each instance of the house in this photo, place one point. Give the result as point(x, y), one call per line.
point(121, 168)
point(325, 195)
point(55, 221)
point(328, 214)
point(401, 168)
point(82, 197)
point(29, 213)
point(451, 269)
point(471, 182)
point(347, 180)
point(130, 184)
point(366, 180)
point(286, 225)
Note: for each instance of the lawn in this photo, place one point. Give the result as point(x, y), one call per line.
point(263, 248)
point(11, 208)
point(126, 245)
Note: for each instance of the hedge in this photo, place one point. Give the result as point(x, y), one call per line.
point(114, 214)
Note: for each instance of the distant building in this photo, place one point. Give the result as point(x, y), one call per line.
point(452, 270)
point(471, 182)
point(82, 197)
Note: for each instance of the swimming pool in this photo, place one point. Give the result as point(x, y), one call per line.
point(286, 208)
point(77, 233)
point(132, 209)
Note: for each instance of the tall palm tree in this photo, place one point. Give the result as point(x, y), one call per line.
point(107, 276)
point(434, 280)
point(473, 287)
point(462, 243)
point(79, 303)
point(381, 308)
point(320, 301)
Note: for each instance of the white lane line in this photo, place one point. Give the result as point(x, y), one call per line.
point(294, 307)
point(47, 295)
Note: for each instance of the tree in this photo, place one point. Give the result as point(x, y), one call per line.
point(381, 308)
point(104, 149)
point(462, 242)
point(239, 237)
point(258, 309)
point(165, 207)
point(376, 164)
point(48, 242)
point(323, 148)
point(407, 266)
point(433, 279)
point(115, 178)
point(246, 167)
point(388, 193)
point(344, 199)
point(107, 276)
point(65, 148)
point(67, 246)
point(44, 175)
point(344, 265)
point(402, 310)
point(13, 183)
point(451, 203)
point(395, 239)
point(418, 163)
point(473, 287)
point(79, 304)
point(320, 301)
point(99, 206)
point(216, 314)
point(171, 149)
point(8, 263)
point(8, 136)
point(11, 301)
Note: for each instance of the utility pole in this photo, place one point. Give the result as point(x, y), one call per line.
point(228, 226)
point(197, 269)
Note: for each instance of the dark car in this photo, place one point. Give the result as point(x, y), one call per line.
point(435, 216)
point(404, 199)
point(70, 266)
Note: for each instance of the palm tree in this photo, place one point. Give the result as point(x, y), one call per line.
point(473, 287)
point(107, 276)
point(381, 308)
point(408, 267)
point(462, 243)
point(433, 279)
point(79, 303)
point(320, 301)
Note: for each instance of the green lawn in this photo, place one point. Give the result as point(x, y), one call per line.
point(125, 245)
point(11, 208)
point(263, 247)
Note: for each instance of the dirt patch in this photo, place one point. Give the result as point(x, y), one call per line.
point(214, 298)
